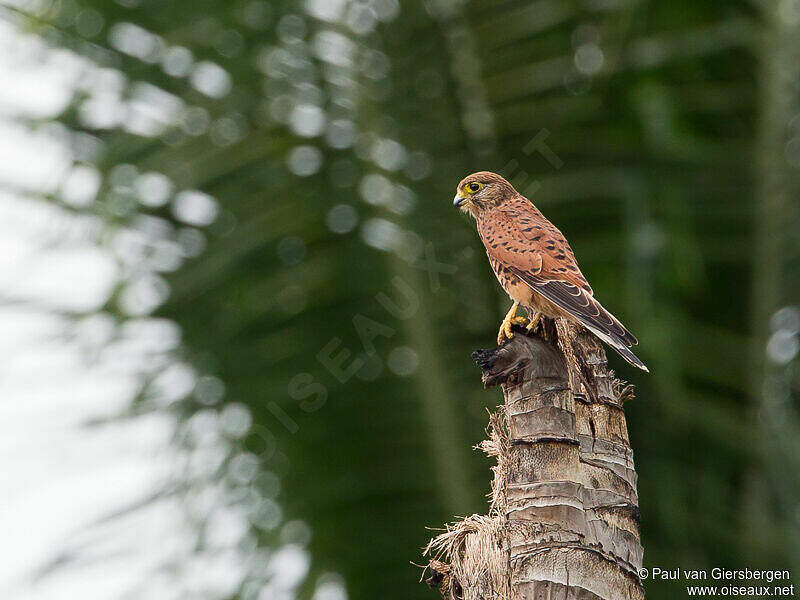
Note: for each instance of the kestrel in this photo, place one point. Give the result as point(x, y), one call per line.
point(534, 263)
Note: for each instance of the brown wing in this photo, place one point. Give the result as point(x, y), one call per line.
point(523, 240)
point(510, 244)
point(583, 307)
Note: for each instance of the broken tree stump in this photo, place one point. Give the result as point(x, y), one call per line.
point(564, 517)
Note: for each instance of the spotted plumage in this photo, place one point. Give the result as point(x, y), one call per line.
point(534, 262)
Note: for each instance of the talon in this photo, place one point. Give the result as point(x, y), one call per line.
point(534, 322)
point(505, 332)
point(503, 335)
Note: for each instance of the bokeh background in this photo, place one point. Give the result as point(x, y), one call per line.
point(237, 305)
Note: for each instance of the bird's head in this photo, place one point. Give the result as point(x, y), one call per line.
point(482, 191)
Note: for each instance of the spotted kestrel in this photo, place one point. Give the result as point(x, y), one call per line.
point(534, 262)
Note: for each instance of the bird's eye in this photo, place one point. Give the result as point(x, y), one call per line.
point(474, 187)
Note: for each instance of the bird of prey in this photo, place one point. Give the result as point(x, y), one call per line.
point(534, 263)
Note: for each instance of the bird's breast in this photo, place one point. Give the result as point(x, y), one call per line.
point(513, 285)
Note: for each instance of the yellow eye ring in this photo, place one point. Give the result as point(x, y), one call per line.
point(474, 187)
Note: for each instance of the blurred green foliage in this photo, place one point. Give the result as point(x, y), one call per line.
point(653, 115)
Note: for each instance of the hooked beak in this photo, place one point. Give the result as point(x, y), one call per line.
point(458, 200)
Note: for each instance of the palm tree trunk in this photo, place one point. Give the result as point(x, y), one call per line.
point(777, 187)
point(564, 517)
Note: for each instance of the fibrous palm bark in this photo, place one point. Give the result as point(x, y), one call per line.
point(564, 516)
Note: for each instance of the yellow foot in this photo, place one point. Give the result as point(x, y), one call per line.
point(534, 322)
point(505, 332)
